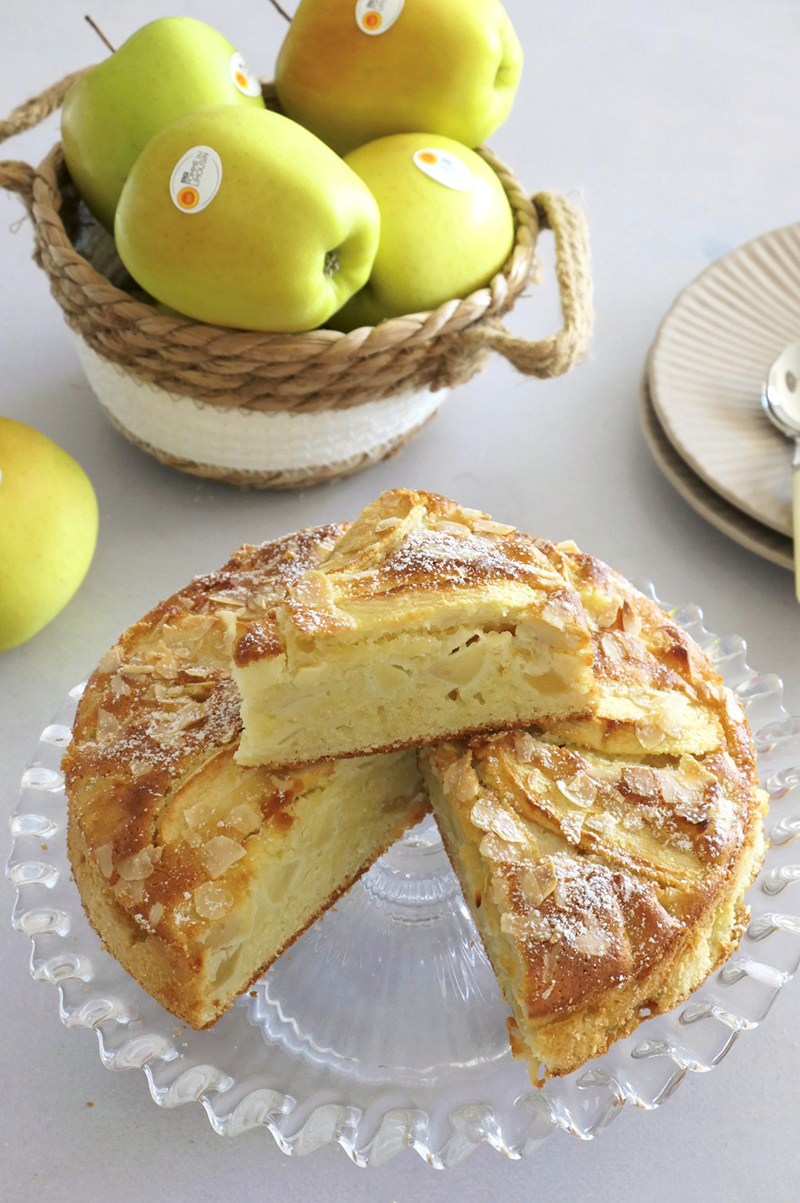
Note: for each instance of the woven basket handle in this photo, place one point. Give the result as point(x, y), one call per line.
point(16, 176)
point(556, 354)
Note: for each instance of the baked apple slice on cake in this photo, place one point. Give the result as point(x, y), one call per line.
point(425, 621)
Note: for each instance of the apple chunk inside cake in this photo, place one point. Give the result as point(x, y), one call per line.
point(425, 620)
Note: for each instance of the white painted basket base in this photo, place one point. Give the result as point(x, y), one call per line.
point(240, 440)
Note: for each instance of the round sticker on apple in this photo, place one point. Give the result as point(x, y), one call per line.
point(242, 78)
point(445, 168)
point(377, 16)
point(196, 179)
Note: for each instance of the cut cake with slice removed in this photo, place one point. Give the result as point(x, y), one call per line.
point(605, 888)
point(196, 872)
point(426, 620)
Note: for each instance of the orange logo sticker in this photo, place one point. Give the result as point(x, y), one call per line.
point(444, 167)
point(377, 16)
point(188, 198)
point(242, 78)
point(195, 179)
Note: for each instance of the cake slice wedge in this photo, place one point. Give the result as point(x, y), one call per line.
point(426, 620)
point(605, 888)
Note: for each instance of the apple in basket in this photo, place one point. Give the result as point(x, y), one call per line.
point(48, 530)
point(169, 67)
point(356, 70)
point(240, 217)
point(446, 226)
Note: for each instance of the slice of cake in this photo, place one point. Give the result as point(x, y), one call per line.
point(195, 871)
point(605, 888)
point(425, 620)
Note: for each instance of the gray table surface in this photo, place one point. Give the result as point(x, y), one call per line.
point(676, 122)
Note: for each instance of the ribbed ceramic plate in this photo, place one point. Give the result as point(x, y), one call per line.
point(382, 1028)
point(709, 362)
point(715, 509)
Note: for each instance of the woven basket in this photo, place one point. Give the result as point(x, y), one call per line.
point(283, 410)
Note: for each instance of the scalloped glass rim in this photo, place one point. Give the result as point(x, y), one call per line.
point(244, 1079)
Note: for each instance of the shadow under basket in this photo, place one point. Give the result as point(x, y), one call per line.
point(283, 410)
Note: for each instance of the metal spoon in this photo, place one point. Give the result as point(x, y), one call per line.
point(780, 398)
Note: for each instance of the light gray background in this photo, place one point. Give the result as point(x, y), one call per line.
point(678, 123)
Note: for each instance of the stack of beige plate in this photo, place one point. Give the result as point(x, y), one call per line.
point(700, 396)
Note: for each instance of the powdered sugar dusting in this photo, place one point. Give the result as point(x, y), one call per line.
point(164, 696)
point(433, 558)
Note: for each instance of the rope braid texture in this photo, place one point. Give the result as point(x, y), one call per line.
point(321, 369)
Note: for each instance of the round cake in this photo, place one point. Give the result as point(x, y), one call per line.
point(604, 855)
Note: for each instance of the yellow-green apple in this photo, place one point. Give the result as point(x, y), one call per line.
point(169, 67)
point(240, 217)
point(356, 70)
point(48, 530)
point(446, 226)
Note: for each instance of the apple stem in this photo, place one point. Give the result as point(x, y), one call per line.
point(282, 11)
point(99, 33)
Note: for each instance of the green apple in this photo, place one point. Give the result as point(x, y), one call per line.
point(169, 67)
point(48, 530)
point(356, 70)
point(240, 217)
point(446, 226)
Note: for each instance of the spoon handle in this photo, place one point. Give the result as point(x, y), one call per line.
point(795, 514)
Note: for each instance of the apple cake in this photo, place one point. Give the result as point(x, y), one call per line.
point(425, 620)
point(593, 780)
point(195, 871)
point(605, 861)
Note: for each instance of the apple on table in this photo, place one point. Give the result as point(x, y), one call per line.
point(48, 530)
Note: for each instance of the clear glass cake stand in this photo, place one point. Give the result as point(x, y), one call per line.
point(383, 1028)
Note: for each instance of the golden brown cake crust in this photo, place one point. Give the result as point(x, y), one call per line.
point(426, 620)
point(161, 820)
point(651, 689)
point(606, 886)
point(641, 655)
point(159, 965)
point(384, 555)
point(162, 698)
point(586, 932)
